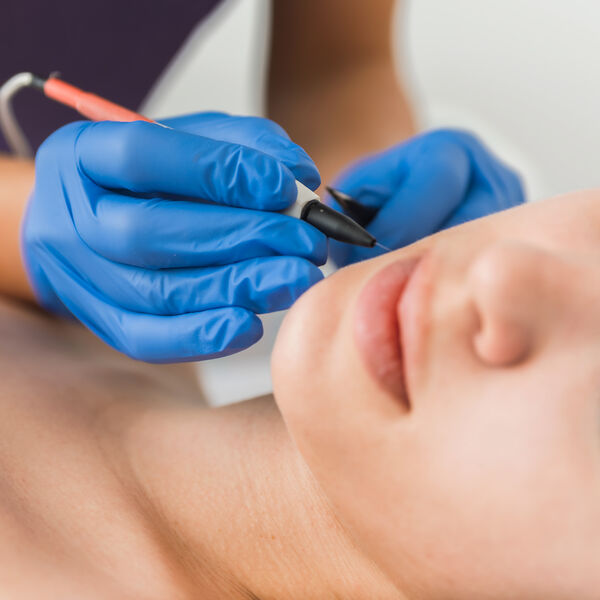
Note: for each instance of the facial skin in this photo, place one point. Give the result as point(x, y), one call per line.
point(484, 481)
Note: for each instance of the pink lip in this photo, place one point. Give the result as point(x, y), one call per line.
point(378, 328)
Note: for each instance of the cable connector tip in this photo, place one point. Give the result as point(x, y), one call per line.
point(37, 81)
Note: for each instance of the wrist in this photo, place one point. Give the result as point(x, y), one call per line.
point(16, 183)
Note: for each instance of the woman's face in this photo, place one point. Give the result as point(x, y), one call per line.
point(447, 399)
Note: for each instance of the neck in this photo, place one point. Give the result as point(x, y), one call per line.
point(241, 511)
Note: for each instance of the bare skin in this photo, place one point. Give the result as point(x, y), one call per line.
point(16, 182)
point(475, 475)
point(116, 482)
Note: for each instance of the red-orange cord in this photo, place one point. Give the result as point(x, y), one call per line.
point(89, 105)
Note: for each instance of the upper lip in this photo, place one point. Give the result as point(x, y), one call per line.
point(378, 326)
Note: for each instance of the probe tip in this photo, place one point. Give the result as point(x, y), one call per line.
point(383, 247)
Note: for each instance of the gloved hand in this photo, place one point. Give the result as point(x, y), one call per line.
point(159, 239)
point(431, 182)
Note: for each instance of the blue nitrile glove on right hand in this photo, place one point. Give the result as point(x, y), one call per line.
point(430, 182)
point(164, 242)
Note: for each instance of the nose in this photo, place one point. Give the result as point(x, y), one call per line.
point(518, 293)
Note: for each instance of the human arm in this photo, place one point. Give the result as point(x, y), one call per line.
point(333, 83)
point(16, 183)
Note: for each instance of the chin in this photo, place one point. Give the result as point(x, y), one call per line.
point(310, 360)
point(301, 344)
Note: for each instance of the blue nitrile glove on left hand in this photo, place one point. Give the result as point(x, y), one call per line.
point(431, 182)
point(164, 242)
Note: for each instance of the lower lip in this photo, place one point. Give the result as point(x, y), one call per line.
point(377, 326)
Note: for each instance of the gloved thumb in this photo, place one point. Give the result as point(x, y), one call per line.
point(435, 183)
point(415, 187)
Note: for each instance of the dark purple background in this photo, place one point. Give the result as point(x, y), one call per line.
point(115, 48)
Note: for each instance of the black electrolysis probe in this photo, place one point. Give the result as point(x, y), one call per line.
point(327, 220)
point(361, 213)
point(357, 211)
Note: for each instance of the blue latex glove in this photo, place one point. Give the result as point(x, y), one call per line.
point(431, 182)
point(160, 240)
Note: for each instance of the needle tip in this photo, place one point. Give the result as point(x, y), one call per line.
point(383, 247)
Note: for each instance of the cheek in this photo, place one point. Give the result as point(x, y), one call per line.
point(321, 384)
point(304, 352)
point(501, 501)
point(330, 403)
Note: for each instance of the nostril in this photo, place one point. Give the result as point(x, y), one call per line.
point(502, 284)
point(501, 344)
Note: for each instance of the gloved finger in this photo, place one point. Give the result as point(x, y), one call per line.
point(480, 203)
point(434, 187)
point(489, 172)
point(435, 184)
point(259, 285)
point(152, 338)
point(224, 126)
point(374, 179)
point(156, 233)
point(494, 186)
point(255, 132)
point(147, 158)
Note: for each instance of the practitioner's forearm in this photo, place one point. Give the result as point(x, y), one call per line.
point(16, 182)
point(339, 95)
point(346, 118)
